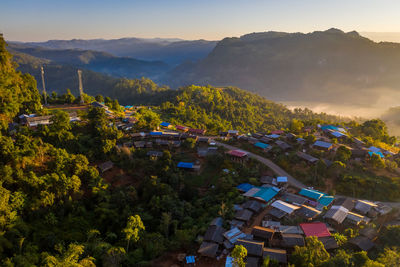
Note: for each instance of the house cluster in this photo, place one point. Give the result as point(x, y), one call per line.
point(264, 223)
point(324, 134)
point(32, 120)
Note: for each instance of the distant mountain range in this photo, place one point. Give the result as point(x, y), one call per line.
point(330, 67)
point(324, 66)
point(92, 60)
point(172, 51)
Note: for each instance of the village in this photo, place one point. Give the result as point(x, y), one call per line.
point(278, 213)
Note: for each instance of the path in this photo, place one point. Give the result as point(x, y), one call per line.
point(275, 168)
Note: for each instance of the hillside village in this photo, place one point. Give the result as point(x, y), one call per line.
point(274, 214)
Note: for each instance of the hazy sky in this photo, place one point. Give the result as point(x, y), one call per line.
point(37, 20)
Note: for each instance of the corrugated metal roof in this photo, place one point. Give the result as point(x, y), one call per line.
point(185, 165)
point(266, 194)
point(261, 145)
point(322, 144)
point(311, 193)
point(245, 187)
point(317, 229)
point(286, 207)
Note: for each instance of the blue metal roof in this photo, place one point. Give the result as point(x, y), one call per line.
point(190, 259)
point(325, 200)
point(266, 194)
point(186, 165)
point(311, 193)
point(282, 179)
point(156, 133)
point(329, 127)
point(165, 124)
point(374, 149)
point(229, 262)
point(337, 134)
point(370, 153)
point(245, 187)
point(261, 145)
point(322, 144)
point(274, 136)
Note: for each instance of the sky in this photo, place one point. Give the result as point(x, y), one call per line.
point(40, 20)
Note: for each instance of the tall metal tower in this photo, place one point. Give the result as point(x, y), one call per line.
point(80, 85)
point(44, 86)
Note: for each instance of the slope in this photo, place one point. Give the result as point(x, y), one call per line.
point(330, 66)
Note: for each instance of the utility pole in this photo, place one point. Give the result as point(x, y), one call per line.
point(44, 87)
point(80, 85)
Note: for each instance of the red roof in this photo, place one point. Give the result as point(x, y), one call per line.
point(198, 131)
point(317, 229)
point(237, 153)
point(277, 132)
point(180, 127)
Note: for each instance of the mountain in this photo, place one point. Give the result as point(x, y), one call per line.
point(93, 60)
point(171, 51)
point(323, 66)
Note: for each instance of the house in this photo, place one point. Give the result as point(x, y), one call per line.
point(317, 229)
point(262, 233)
point(197, 131)
point(273, 136)
point(99, 105)
point(275, 254)
point(354, 218)
point(233, 132)
point(203, 140)
point(290, 229)
point(307, 212)
point(337, 134)
point(214, 234)
point(188, 166)
point(217, 221)
point(362, 243)
point(277, 132)
point(237, 155)
point(271, 224)
point(162, 142)
point(252, 205)
point(282, 180)
point(291, 136)
point(154, 154)
point(268, 180)
point(156, 134)
point(257, 135)
point(310, 193)
point(336, 214)
point(284, 146)
point(285, 207)
point(329, 242)
point(265, 194)
point(306, 157)
point(254, 248)
point(182, 128)
point(347, 203)
point(139, 144)
point(277, 213)
point(322, 145)
point(252, 261)
point(364, 206)
point(359, 152)
point(261, 145)
point(165, 124)
point(105, 166)
point(292, 240)
point(265, 140)
point(244, 215)
point(294, 199)
point(358, 142)
point(369, 232)
point(208, 249)
point(40, 120)
point(245, 187)
point(233, 235)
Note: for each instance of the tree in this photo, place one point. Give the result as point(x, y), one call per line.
point(238, 254)
point(99, 98)
point(313, 254)
point(377, 162)
point(343, 154)
point(68, 97)
point(60, 121)
point(340, 239)
point(390, 257)
point(132, 230)
point(296, 126)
